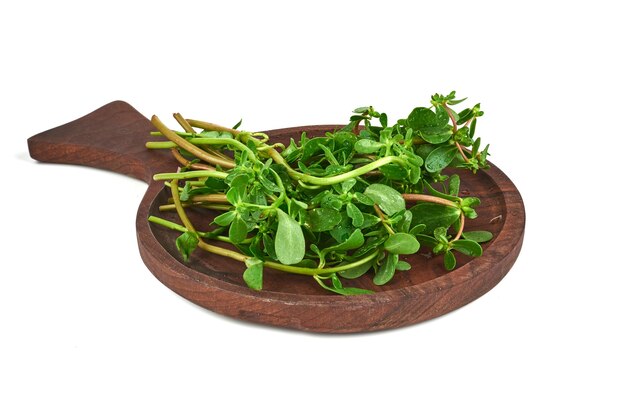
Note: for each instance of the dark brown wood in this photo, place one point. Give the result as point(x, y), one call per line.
point(113, 138)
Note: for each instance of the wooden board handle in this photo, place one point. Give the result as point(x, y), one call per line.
point(111, 138)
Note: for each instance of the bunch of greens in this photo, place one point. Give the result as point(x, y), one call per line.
point(332, 207)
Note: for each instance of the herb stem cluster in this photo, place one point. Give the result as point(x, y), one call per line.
point(333, 207)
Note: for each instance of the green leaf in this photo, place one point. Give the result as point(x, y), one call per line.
point(234, 196)
point(468, 247)
point(331, 201)
point(440, 158)
point(478, 236)
point(369, 220)
point(269, 185)
point(362, 199)
point(240, 182)
point(214, 185)
point(354, 241)
point(253, 275)
point(449, 260)
point(311, 148)
point(238, 230)
point(269, 247)
point(436, 135)
point(350, 291)
point(464, 116)
point(343, 230)
point(225, 218)
point(336, 282)
point(184, 195)
point(255, 247)
point(386, 270)
point(402, 243)
point(401, 221)
point(415, 173)
point(422, 117)
point(322, 219)
point(357, 271)
point(367, 146)
point(426, 240)
point(383, 120)
point(469, 213)
point(394, 172)
point(347, 185)
point(389, 200)
point(337, 287)
point(441, 234)
point(456, 101)
point(417, 229)
point(470, 202)
point(437, 193)
point(454, 185)
point(475, 147)
point(370, 244)
point(238, 124)
point(289, 244)
point(462, 136)
point(355, 214)
point(403, 266)
point(434, 215)
point(186, 243)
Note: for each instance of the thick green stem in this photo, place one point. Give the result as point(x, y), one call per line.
point(179, 209)
point(190, 175)
point(183, 123)
point(204, 141)
point(188, 146)
point(461, 227)
point(460, 148)
point(313, 271)
point(411, 197)
point(212, 127)
point(327, 181)
point(203, 205)
point(449, 111)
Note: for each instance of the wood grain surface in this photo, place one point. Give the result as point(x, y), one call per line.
point(113, 138)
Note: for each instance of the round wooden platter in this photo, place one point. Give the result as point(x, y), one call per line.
point(113, 138)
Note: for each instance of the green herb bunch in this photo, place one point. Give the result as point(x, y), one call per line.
point(331, 207)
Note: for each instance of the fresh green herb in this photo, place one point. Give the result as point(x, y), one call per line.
point(332, 207)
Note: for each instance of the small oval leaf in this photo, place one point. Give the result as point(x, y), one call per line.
point(289, 244)
point(357, 271)
point(355, 214)
point(253, 275)
point(367, 146)
point(238, 230)
point(433, 216)
point(449, 260)
point(389, 200)
point(225, 218)
point(478, 236)
point(386, 270)
point(322, 219)
point(402, 243)
point(468, 247)
point(440, 158)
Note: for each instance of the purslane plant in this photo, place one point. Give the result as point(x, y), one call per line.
point(331, 207)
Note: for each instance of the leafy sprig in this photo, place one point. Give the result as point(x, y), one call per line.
point(332, 207)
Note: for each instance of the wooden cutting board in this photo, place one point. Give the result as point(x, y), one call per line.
point(113, 138)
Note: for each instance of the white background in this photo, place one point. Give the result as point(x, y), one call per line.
point(86, 330)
